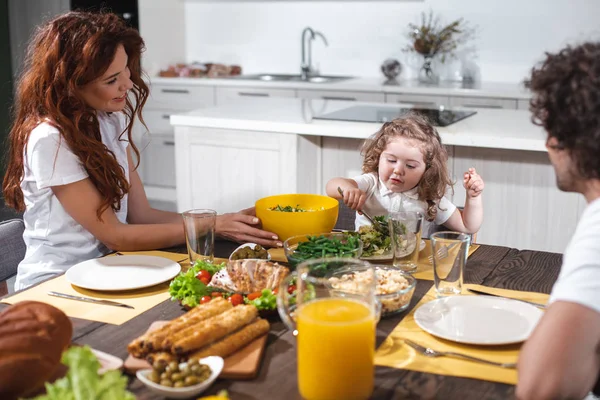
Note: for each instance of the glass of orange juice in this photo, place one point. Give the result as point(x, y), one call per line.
point(335, 318)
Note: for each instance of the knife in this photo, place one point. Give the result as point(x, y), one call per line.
point(504, 297)
point(89, 300)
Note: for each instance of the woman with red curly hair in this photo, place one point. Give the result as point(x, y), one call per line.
point(71, 167)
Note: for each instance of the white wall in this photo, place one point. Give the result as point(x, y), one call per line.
point(265, 36)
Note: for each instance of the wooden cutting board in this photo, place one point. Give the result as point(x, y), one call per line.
point(243, 364)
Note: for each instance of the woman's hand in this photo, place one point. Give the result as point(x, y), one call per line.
point(244, 227)
point(354, 198)
point(473, 183)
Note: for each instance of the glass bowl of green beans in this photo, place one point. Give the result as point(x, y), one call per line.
point(324, 245)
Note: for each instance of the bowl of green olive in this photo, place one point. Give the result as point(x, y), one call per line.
point(182, 380)
point(250, 251)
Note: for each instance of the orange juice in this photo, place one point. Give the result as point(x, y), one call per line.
point(336, 349)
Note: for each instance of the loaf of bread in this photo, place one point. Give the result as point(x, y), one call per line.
point(33, 336)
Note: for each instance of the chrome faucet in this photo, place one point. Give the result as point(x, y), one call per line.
point(306, 68)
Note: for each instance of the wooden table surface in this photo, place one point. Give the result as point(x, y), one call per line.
point(495, 266)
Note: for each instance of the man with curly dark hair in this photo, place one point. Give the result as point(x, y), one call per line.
point(561, 359)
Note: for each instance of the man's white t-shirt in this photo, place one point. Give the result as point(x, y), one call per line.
point(55, 241)
point(381, 200)
point(579, 278)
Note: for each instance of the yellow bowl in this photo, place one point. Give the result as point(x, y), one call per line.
point(321, 219)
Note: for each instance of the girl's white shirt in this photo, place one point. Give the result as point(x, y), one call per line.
point(381, 201)
point(55, 241)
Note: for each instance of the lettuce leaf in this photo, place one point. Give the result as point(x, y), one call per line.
point(83, 382)
point(266, 301)
point(188, 289)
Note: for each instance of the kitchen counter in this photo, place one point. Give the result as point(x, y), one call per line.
point(379, 85)
point(499, 129)
point(227, 157)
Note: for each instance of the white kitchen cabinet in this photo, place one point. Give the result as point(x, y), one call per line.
point(157, 145)
point(418, 100)
point(341, 95)
point(180, 97)
point(522, 206)
point(226, 95)
point(523, 104)
point(482, 102)
point(228, 170)
point(159, 170)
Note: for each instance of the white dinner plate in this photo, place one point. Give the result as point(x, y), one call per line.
point(122, 272)
point(481, 320)
point(388, 256)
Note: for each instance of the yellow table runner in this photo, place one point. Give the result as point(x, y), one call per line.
point(394, 353)
point(424, 267)
point(141, 299)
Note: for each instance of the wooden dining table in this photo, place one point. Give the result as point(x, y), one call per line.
point(494, 266)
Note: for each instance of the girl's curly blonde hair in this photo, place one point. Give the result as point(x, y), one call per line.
point(436, 179)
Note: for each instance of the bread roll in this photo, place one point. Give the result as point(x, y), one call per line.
point(33, 336)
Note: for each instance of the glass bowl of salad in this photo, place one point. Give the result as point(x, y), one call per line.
point(324, 245)
point(290, 215)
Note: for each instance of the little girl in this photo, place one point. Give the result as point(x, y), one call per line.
point(405, 170)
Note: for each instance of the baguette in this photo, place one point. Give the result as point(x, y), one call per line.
point(155, 341)
point(215, 328)
point(235, 341)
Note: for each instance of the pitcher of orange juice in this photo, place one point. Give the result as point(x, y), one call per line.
point(334, 310)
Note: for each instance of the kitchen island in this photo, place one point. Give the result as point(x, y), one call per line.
point(229, 156)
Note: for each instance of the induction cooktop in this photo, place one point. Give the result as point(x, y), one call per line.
point(368, 113)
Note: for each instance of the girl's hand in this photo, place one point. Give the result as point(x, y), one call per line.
point(354, 198)
point(245, 227)
point(473, 183)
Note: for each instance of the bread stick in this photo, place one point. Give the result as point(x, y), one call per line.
point(215, 328)
point(157, 340)
point(235, 341)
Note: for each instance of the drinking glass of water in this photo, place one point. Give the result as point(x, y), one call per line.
point(449, 250)
point(200, 234)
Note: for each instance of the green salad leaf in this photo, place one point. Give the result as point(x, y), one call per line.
point(207, 266)
point(83, 382)
point(375, 243)
point(266, 301)
point(188, 289)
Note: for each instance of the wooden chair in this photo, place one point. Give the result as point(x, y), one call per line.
point(12, 250)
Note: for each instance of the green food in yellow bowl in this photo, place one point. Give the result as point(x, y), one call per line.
point(319, 214)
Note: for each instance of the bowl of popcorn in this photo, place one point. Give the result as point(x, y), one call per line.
point(394, 287)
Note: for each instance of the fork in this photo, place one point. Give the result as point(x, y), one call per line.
point(442, 252)
point(426, 351)
point(376, 224)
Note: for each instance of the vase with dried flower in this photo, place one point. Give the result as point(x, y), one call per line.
point(431, 39)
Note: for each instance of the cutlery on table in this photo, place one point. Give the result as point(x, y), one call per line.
point(89, 300)
point(426, 351)
point(373, 221)
point(443, 252)
point(504, 297)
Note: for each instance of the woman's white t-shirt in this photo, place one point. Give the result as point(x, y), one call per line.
point(381, 200)
point(55, 241)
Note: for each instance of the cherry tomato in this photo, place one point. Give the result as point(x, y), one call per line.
point(204, 275)
point(254, 295)
point(236, 299)
point(291, 289)
point(216, 294)
point(204, 280)
point(205, 299)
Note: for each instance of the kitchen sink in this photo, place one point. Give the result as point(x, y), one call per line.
point(292, 78)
